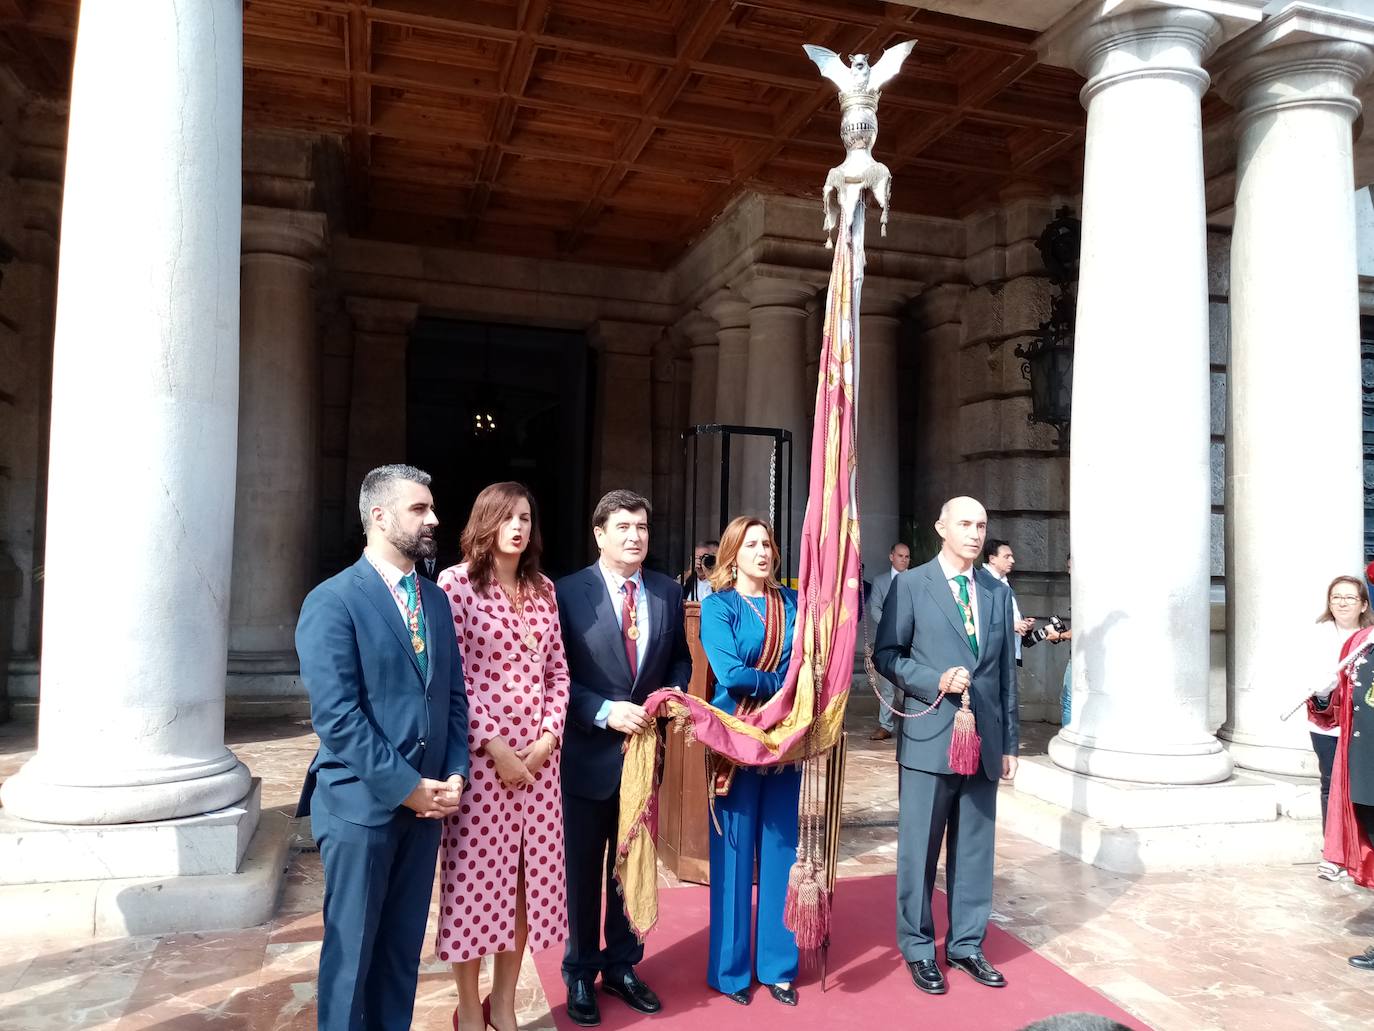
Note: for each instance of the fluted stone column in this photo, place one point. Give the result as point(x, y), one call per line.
point(144, 425)
point(622, 442)
point(775, 393)
point(730, 311)
point(278, 445)
point(1295, 337)
point(1140, 647)
point(879, 506)
point(377, 396)
point(700, 331)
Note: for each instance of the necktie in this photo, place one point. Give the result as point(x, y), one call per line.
point(413, 604)
point(966, 607)
point(627, 621)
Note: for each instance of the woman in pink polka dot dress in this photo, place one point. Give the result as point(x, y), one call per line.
point(501, 865)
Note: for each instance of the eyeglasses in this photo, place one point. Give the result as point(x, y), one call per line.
point(1344, 599)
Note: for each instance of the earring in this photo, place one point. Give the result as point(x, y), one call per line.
point(734, 571)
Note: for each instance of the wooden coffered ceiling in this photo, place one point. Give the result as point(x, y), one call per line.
point(616, 130)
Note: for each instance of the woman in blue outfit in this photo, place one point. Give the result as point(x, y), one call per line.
point(746, 629)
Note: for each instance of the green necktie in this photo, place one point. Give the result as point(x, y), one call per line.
point(409, 581)
point(966, 608)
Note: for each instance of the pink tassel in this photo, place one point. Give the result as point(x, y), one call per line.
point(807, 910)
point(965, 747)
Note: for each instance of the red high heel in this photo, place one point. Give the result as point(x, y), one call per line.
point(486, 1015)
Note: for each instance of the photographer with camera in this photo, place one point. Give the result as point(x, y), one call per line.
point(999, 560)
point(696, 582)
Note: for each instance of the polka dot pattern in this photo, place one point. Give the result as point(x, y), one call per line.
point(515, 693)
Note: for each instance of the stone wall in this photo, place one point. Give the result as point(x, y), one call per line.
point(1011, 464)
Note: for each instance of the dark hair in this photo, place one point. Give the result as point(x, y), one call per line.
point(379, 488)
point(1076, 1022)
point(1366, 615)
point(707, 544)
point(492, 508)
point(992, 547)
point(615, 501)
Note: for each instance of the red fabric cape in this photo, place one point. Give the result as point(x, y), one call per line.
point(1346, 844)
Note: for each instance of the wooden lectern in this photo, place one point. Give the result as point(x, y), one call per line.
point(683, 819)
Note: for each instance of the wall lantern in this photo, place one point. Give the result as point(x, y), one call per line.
point(1047, 361)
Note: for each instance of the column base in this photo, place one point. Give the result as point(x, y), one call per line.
point(1207, 764)
point(213, 843)
point(1138, 828)
point(28, 796)
point(1277, 759)
point(119, 907)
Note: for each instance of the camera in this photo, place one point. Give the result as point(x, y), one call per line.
point(1041, 632)
point(708, 561)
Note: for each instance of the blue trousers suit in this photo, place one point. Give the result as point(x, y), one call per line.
point(758, 818)
point(758, 822)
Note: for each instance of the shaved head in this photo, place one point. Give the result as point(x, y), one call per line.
point(963, 527)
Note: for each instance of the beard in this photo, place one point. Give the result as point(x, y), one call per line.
point(414, 546)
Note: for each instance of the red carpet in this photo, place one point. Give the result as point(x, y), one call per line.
point(868, 983)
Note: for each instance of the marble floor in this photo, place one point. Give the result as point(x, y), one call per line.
point(1235, 948)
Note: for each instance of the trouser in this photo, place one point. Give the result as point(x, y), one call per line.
point(377, 886)
point(1066, 696)
point(886, 718)
point(961, 811)
point(590, 826)
point(1325, 747)
point(1364, 815)
point(758, 823)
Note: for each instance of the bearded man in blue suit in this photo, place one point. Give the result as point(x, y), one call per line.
point(380, 661)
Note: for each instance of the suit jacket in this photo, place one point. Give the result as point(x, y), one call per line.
point(920, 636)
point(599, 671)
point(878, 596)
point(425, 571)
point(382, 725)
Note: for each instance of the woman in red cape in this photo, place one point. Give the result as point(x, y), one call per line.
point(1350, 816)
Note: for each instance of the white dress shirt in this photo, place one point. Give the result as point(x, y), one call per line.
point(614, 584)
point(1015, 608)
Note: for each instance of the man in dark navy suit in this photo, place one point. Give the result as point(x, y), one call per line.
point(948, 630)
point(380, 661)
point(624, 636)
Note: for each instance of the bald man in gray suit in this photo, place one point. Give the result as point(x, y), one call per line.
point(947, 629)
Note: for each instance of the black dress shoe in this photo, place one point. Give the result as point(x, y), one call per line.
point(1364, 961)
point(978, 968)
point(626, 986)
point(787, 996)
point(741, 996)
point(927, 976)
point(582, 1008)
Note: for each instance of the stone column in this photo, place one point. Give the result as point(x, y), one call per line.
point(731, 314)
point(622, 442)
point(775, 394)
point(1140, 648)
point(145, 406)
point(377, 399)
point(879, 508)
point(278, 450)
point(1295, 338)
point(700, 331)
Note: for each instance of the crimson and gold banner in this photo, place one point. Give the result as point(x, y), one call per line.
point(805, 717)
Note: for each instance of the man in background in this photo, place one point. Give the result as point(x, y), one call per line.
point(1000, 560)
point(899, 561)
point(696, 583)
